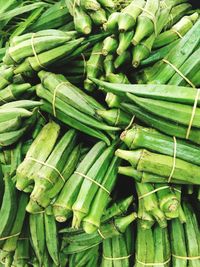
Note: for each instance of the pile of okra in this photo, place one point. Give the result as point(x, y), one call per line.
point(99, 133)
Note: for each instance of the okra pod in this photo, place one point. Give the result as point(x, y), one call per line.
point(63, 205)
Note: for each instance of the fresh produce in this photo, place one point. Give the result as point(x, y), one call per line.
point(99, 133)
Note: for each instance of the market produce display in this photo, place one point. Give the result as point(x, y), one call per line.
point(99, 133)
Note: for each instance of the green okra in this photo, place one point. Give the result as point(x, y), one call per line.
point(110, 45)
point(28, 167)
point(9, 113)
point(88, 190)
point(146, 161)
point(161, 246)
point(26, 104)
point(168, 200)
point(107, 253)
point(48, 57)
point(6, 77)
point(166, 110)
point(93, 66)
point(24, 37)
point(69, 93)
point(171, 93)
point(130, 240)
point(37, 233)
point(73, 112)
point(82, 21)
point(112, 100)
point(33, 207)
point(146, 177)
point(144, 251)
point(192, 233)
point(41, 121)
point(177, 12)
point(41, 44)
point(10, 244)
point(115, 117)
point(108, 64)
point(51, 235)
point(107, 230)
point(178, 243)
point(9, 138)
point(55, 16)
point(112, 23)
point(143, 49)
point(177, 56)
point(163, 125)
point(107, 3)
point(147, 20)
point(159, 54)
point(29, 20)
point(148, 138)
point(63, 205)
point(177, 30)
point(154, 241)
point(145, 217)
point(13, 92)
point(116, 250)
point(85, 45)
point(98, 17)
point(21, 255)
point(122, 59)
point(2, 53)
point(49, 194)
point(10, 125)
point(117, 209)
point(8, 208)
point(151, 203)
point(79, 259)
point(119, 78)
point(195, 78)
point(46, 177)
point(93, 219)
point(63, 117)
point(90, 5)
point(125, 39)
point(188, 69)
point(128, 16)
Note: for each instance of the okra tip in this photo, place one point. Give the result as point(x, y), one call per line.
point(87, 30)
point(42, 74)
point(123, 222)
point(126, 22)
point(128, 137)
point(135, 63)
point(77, 219)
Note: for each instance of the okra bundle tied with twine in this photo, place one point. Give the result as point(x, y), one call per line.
point(72, 106)
point(43, 173)
point(185, 239)
point(90, 13)
point(96, 174)
point(152, 247)
point(105, 177)
point(170, 170)
point(117, 251)
point(156, 105)
point(31, 52)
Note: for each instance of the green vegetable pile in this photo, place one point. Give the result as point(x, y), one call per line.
point(99, 133)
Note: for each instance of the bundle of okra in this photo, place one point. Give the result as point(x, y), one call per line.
point(99, 133)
